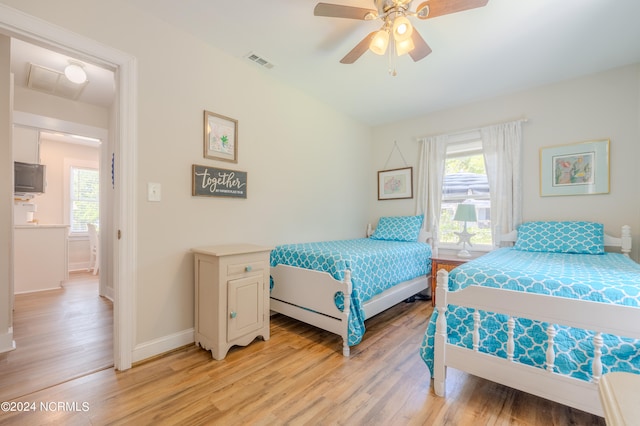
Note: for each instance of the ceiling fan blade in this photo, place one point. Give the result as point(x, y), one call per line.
point(339, 11)
point(357, 51)
point(445, 7)
point(421, 48)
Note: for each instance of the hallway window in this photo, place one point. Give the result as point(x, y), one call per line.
point(84, 198)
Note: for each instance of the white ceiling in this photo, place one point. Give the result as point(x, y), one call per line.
point(99, 90)
point(506, 46)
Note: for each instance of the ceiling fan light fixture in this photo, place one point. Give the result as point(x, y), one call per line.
point(402, 28)
point(379, 42)
point(75, 73)
point(404, 46)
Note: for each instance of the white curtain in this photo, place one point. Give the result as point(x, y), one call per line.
point(433, 153)
point(502, 146)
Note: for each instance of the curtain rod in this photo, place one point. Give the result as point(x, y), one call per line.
point(459, 132)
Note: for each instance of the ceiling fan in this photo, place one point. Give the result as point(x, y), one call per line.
point(393, 14)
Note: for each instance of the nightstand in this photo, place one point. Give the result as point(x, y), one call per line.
point(443, 262)
point(231, 296)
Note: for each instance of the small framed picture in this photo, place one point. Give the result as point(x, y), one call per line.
point(220, 137)
point(575, 169)
point(395, 184)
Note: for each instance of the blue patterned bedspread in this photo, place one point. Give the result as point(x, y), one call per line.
point(609, 278)
point(375, 265)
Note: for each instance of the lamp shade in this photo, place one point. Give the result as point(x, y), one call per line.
point(402, 28)
point(465, 213)
point(379, 42)
point(404, 46)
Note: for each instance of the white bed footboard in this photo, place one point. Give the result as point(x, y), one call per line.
point(587, 315)
point(309, 296)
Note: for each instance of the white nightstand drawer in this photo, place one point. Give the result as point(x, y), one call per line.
point(245, 267)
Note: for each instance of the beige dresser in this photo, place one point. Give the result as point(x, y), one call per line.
point(231, 296)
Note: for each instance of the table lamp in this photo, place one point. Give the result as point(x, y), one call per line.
point(465, 213)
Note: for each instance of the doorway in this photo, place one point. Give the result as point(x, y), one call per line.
point(119, 237)
point(62, 327)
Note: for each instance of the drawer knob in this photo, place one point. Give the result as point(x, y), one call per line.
point(248, 268)
point(233, 314)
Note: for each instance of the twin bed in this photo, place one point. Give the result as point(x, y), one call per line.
point(337, 285)
point(548, 316)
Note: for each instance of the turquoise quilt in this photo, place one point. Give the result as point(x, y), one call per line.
point(375, 265)
point(608, 278)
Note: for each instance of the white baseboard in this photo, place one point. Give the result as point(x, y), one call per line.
point(7, 343)
point(110, 294)
point(78, 266)
point(38, 290)
point(163, 344)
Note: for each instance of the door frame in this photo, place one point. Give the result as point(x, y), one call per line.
point(17, 24)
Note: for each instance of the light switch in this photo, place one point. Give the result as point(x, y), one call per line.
point(153, 191)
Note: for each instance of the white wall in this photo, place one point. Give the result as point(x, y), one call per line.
point(46, 105)
point(51, 208)
point(307, 165)
point(600, 106)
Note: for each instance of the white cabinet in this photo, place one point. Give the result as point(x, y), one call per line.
point(26, 145)
point(40, 257)
point(231, 296)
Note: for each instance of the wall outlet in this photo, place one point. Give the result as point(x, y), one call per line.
point(153, 191)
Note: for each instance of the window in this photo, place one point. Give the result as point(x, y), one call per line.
point(481, 167)
point(84, 199)
point(465, 181)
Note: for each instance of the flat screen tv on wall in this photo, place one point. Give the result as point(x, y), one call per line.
point(29, 177)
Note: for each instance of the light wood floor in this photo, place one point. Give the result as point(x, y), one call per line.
point(297, 377)
point(60, 335)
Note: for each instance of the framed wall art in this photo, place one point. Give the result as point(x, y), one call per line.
point(575, 169)
point(395, 184)
point(214, 182)
point(220, 137)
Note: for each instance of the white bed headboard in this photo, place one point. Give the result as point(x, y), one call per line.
point(624, 241)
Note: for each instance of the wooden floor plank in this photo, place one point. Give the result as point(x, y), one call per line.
point(299, 377)
point(60, 335)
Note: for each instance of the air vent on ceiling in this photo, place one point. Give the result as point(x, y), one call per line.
point(53, 82)
point(259, 60)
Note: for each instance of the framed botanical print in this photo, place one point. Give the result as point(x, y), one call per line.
point(395, 184)
point(220, 137)
point(575, 169)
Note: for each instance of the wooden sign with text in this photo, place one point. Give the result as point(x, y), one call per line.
point(214, 182)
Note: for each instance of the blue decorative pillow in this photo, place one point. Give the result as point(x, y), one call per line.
point(398, 228)
point(561, 237)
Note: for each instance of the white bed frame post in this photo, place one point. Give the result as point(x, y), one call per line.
point(347, 308)
point(624, 242)
point(440, 344)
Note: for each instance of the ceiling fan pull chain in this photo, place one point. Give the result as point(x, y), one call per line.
point(392, 60)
